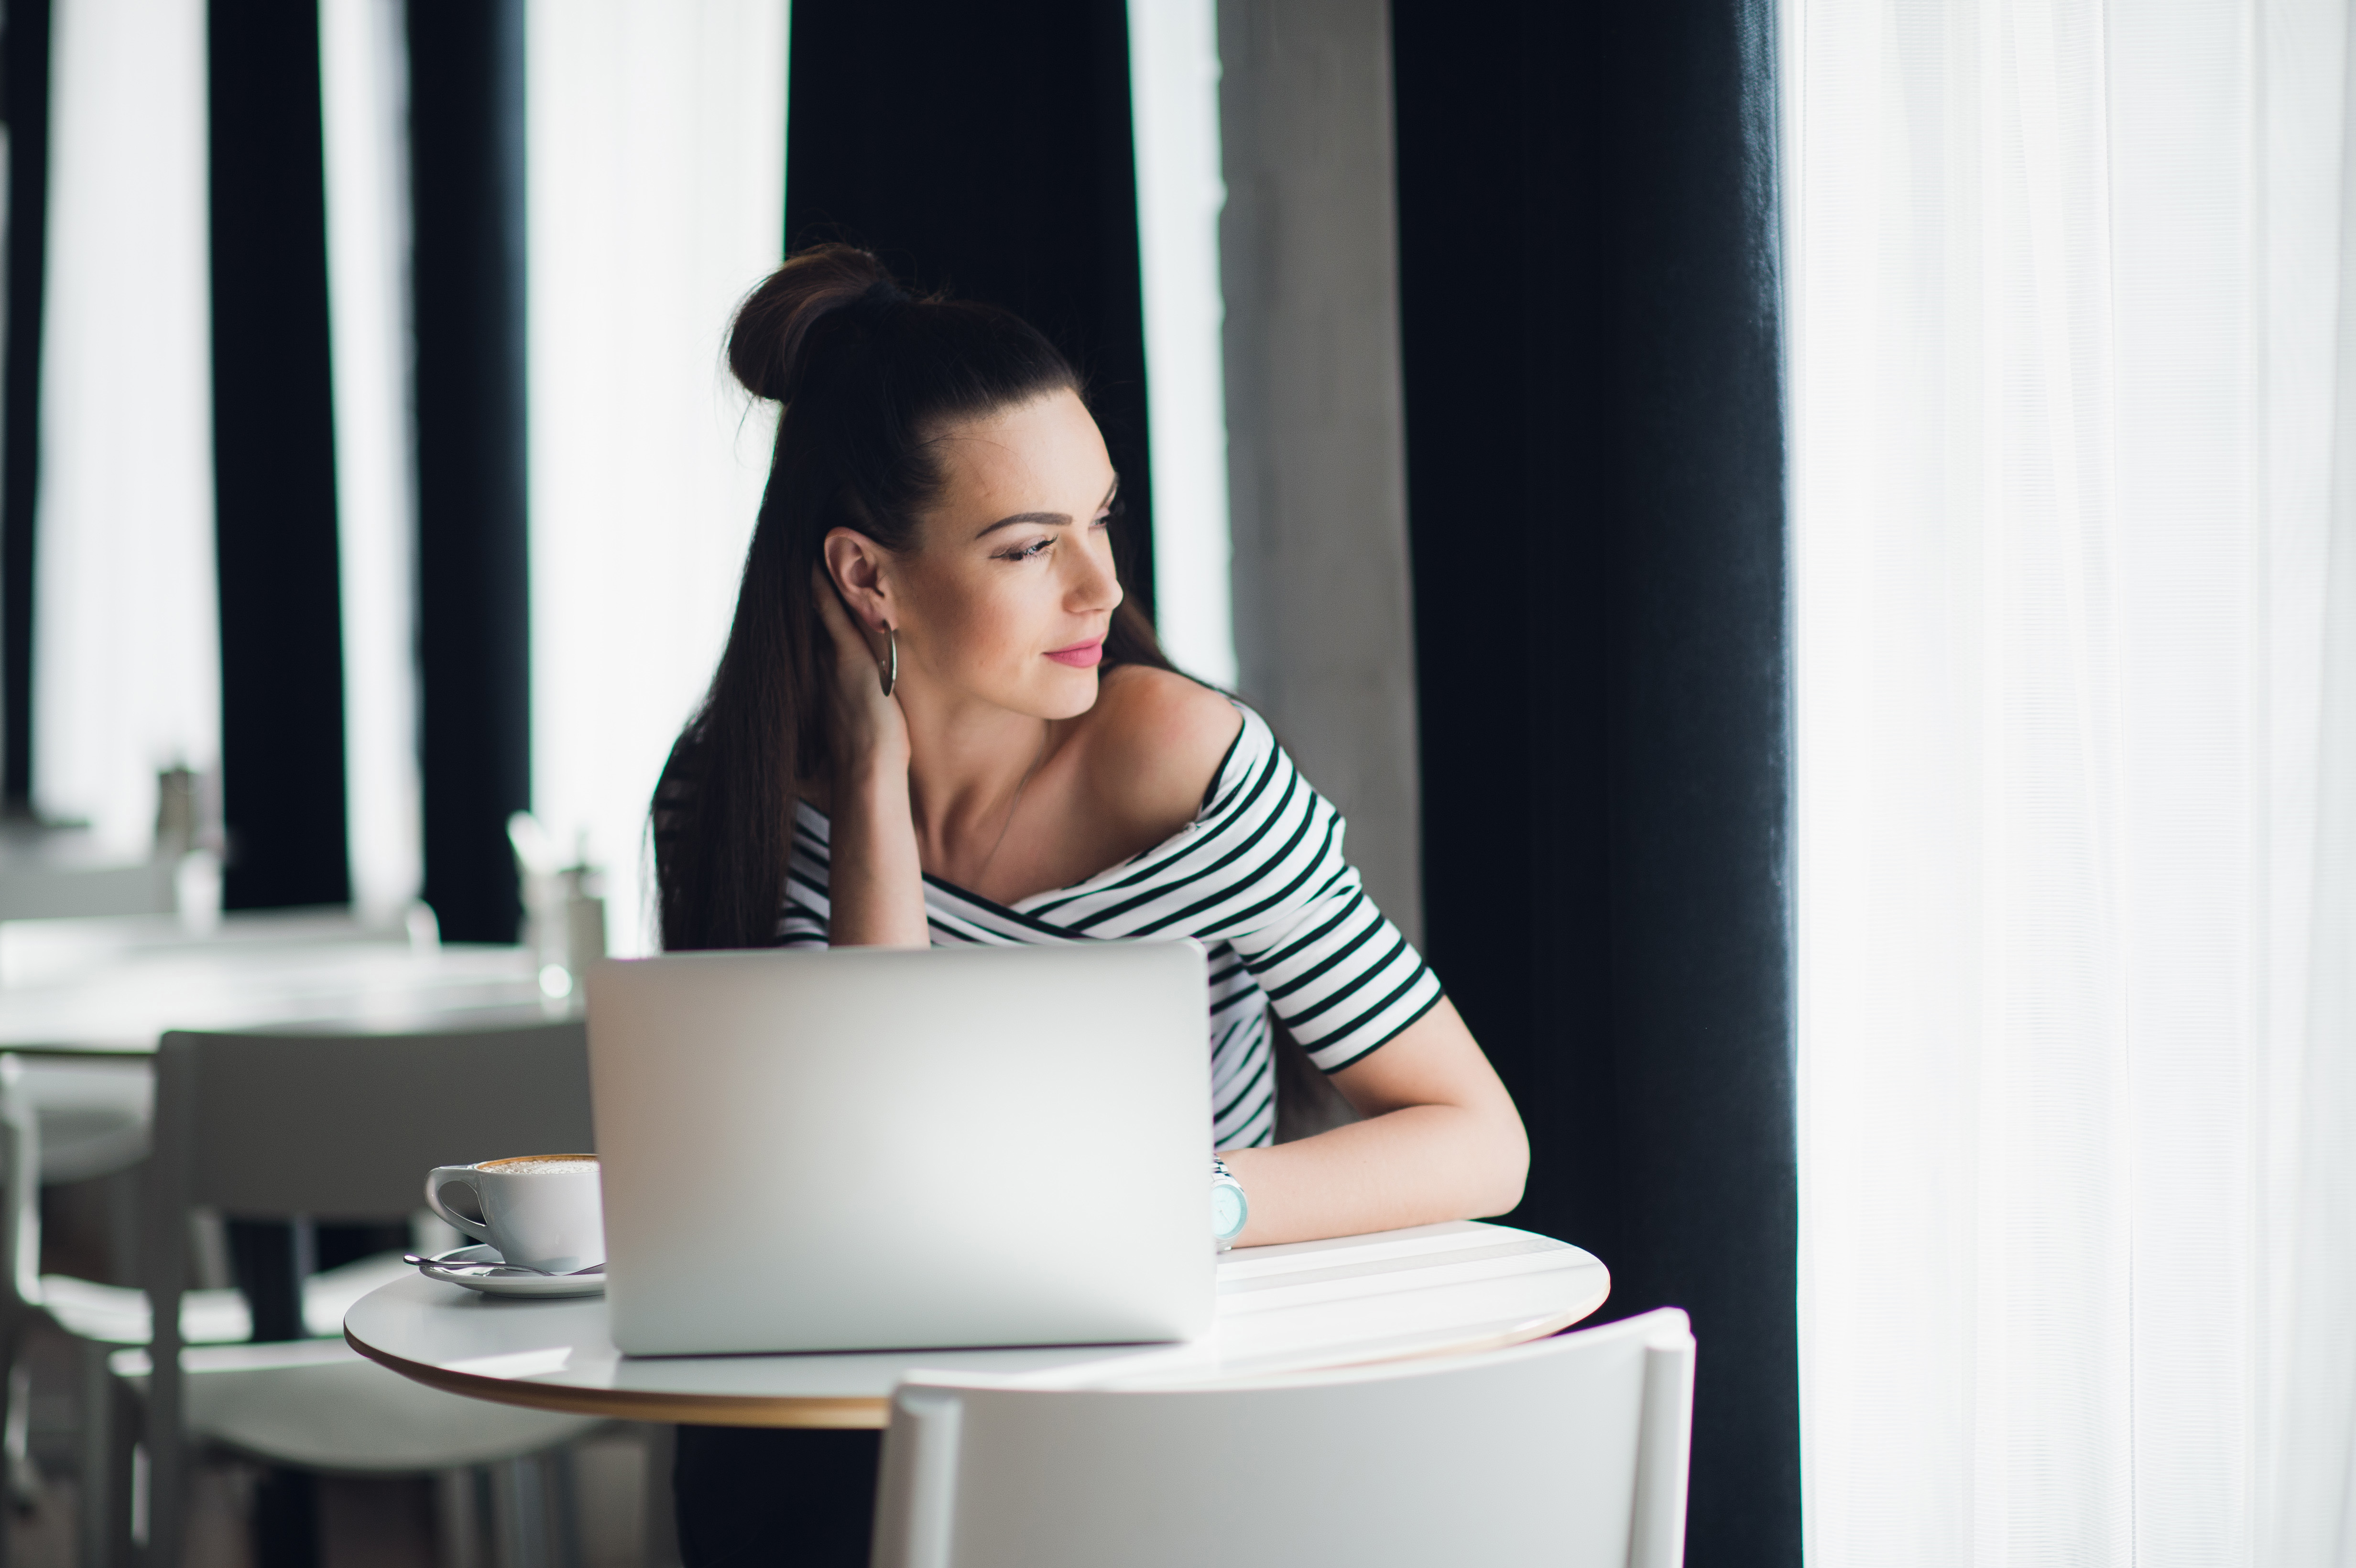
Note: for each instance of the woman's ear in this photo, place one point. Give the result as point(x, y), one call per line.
point(858, 567)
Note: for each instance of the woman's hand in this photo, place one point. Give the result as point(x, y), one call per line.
point(867, 728)
point(876, 880)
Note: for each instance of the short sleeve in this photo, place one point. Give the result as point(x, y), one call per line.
point(1341, 975)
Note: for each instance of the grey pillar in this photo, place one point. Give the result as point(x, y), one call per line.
point(1316, 433)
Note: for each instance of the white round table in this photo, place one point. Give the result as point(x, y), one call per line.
point(1434, 1290)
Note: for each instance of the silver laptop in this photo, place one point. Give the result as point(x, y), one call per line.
point(867, 1148)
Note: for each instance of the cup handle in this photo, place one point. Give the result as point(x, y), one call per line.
point(461, 1176)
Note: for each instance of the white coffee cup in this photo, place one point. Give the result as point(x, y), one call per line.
point(544, 1211)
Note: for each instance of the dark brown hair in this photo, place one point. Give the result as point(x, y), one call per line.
point(867, 375)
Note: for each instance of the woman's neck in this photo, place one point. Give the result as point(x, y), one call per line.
point(968, 766)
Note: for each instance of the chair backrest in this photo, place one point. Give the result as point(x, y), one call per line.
point(344, 1125)
point(335, 1125)
point(1568, 1452)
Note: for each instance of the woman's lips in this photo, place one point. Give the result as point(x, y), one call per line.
point(1080, 656)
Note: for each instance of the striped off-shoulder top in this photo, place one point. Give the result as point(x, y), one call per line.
point(1258, 878)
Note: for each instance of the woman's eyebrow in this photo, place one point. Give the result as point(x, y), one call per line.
point(1053, 519)
point(1050, 519)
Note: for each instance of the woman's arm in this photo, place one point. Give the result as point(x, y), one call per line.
point(1442, 1141)
point(876, 881)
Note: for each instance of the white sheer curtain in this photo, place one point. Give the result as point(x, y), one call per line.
point(126, 656)
point(657, 144)
point(364, 91)
point(2073, 412)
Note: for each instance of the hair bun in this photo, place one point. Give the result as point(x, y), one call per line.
point(882, 297)
point(766, 346)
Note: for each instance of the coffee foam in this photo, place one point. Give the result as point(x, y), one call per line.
point(541, 1164)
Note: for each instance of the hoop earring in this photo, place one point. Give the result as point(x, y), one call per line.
point(891, 659)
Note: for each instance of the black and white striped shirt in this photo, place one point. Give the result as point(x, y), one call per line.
point(1258, 877)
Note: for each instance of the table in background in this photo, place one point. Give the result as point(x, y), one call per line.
point(114, 987)
point(83, 1004)
point(1434, 1290)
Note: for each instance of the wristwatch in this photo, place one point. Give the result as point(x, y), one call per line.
point(1230, 1211)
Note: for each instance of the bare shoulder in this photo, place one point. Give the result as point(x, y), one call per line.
point(1154, 742)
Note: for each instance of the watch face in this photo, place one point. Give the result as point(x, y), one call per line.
point(1227, 1210)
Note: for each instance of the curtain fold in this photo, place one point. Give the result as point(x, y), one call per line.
point(2075, 732)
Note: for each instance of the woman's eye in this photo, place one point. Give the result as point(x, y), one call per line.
point(1030, 552)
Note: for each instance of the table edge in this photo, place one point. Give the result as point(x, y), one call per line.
point(1543, 1326)
point(846, 1413)
point(835, 1411)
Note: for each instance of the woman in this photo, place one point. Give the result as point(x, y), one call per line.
point(937, 720)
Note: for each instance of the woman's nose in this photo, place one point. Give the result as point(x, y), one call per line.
point(1097, 587)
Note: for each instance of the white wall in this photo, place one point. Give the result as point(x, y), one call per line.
point(1317, 429)
point(657, 181)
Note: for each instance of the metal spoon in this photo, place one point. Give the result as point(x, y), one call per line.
point(451, 1263)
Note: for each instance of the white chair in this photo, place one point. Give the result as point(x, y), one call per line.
point(92, 1111)
point(33, 1091)
point(1568, 1452)
point(343, 1127)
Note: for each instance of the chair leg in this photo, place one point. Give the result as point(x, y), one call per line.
point(563, 1507)
point(15, 1425)
point(286, 1519)
point(93, 1503)
point(459, 1515)
point(662, 1515)
point(105, 1493)
point(519, 1515)
point(24, 1479)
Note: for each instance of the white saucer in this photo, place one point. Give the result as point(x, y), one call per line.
point(467, 1269)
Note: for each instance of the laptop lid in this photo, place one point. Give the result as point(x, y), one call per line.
point(875, 1149)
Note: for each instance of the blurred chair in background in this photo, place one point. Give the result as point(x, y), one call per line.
point(282, 1127)
point(82, 1113)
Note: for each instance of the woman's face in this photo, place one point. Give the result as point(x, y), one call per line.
point(1011, 588)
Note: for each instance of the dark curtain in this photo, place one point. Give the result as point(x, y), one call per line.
point(24, 80)
point(274, 461)
point(282, 643)
point(282, 692)
point(466, 157)
point(986, 150)
point(1594, 437)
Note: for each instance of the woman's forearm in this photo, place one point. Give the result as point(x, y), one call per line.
point(1415, 1166)
point(1442, 1141)
point(876, 882)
